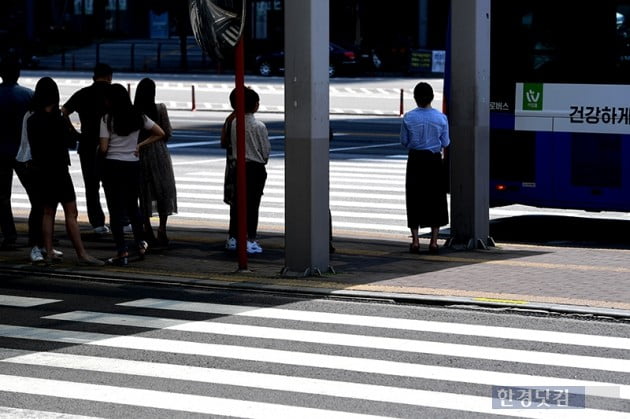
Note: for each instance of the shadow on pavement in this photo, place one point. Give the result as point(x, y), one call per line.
point(562, 231)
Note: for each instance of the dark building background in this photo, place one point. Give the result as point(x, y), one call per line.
point(391, 29)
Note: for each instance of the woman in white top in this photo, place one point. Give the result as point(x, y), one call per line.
point(120, 130)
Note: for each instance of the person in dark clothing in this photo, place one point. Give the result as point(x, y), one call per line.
point(14, 101)
point(118, 143)
point(89, 103)
point(49, 136)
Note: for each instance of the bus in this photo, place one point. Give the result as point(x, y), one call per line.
point(560, 104)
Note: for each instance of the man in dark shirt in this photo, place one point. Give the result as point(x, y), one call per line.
point(89, 103)
point(14, 102)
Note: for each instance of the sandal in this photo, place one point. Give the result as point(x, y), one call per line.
point(53, 259)
point(434, 249)
point(414, 248)
point(90, 261)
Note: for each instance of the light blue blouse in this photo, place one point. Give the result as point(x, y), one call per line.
point(424, 129)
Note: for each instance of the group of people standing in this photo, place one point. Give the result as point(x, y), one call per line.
point(121, 145)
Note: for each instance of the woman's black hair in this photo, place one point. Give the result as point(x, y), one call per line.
point(144, 100)
point(46, 94)
point(423, 94)
point(123, 118)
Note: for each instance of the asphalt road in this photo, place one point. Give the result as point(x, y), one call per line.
point(118, 350)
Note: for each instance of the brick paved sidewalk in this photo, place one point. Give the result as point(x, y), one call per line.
point(587, 279)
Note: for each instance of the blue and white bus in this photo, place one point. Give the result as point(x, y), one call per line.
point(560, 104)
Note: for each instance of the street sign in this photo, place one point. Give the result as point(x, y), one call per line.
point(217, 24)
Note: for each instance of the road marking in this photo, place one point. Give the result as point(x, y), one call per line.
point(163, 400)
point(321, 387)
point(17, 301)
point(306, 359)
point(11, 413)
point(344, 339)
point(463, 329)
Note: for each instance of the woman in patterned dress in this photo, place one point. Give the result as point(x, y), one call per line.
point(158, 194)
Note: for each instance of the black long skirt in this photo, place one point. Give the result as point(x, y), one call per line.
point(425, 190)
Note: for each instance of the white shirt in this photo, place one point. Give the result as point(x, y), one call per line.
point(123, 147)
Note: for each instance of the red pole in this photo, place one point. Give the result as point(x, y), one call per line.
point(241, 185)
point(402, 111)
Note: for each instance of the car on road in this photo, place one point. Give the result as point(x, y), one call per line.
point(342, 61)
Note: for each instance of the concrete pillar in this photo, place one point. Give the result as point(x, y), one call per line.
point(469, 118)
point(306, 129)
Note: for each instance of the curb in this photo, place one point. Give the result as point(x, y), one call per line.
point(251, 283)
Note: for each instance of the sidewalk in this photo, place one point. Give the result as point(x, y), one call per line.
point(564, 279)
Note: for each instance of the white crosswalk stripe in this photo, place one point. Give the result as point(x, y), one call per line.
point(250, 348)
point(365, 197)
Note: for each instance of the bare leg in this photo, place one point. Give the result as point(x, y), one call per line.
point(163, 220)
point(434, 236)
point(415, 243)
point(414, 236)
point(72, 228)
point(48, 226)
point(148, 229)
point(162, 237)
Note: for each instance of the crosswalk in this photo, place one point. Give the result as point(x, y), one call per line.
point(212, 95)
point(366, 195)
point(170, 358)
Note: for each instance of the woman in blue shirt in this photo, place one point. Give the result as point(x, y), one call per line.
point(424, 133)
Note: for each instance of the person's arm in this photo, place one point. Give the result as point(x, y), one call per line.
point(156, 134)
point(70, 106)
point(165, 121)
point(404, 134)
point(265, 144)
point(103, 142)
point(445, 139)
point(226, 130)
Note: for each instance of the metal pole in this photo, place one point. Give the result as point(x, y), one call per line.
point(241, 185)
point(194, 100)
point(402, 108)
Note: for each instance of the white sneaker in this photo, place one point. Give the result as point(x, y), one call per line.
point(36, 255)
point(253, 247)
point(230, 244)
point(101, 230)
point(128, 229)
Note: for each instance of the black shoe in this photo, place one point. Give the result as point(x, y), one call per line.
point(434, 249)
point(118, 261)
